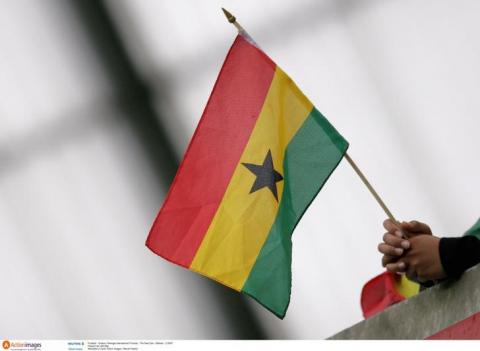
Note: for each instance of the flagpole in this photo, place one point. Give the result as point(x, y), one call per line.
point(370, 188)
point(232, 19)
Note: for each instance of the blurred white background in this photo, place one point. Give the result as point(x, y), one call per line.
point(82, 177)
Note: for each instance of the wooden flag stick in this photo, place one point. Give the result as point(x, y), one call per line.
point(231, 18)
point(370, 188)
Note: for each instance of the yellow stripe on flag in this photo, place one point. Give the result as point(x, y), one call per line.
point(406, 287)
point(243, 220)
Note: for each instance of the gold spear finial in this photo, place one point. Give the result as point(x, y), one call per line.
point(231, 18)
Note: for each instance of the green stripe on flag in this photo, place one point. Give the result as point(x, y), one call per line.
point(311, 156)
point(475, 230)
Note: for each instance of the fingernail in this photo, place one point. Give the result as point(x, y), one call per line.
point(405, 244)
point(398, 233)
point(401, 265)
point(398, 251)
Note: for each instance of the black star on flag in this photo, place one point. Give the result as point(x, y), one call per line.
point(266, 175)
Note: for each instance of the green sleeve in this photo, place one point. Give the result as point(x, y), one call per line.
point(475, 230)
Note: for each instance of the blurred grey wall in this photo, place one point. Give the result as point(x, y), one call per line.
point(99, 100)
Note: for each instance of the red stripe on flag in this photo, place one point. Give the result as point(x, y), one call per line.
point(378, 294)
point(467, 329)
point(214, 152)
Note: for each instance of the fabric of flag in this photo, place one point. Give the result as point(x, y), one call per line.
point(260, 154)
point(387, 288)
point(474, 230)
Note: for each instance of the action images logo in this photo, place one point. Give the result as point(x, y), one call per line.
point(14, 345)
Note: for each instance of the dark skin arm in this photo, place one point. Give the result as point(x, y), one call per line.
point(410, 248)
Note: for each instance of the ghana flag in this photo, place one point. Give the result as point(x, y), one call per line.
point(384, 290)
point(260, 154)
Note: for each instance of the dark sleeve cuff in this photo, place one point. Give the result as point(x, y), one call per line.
point(459, 254)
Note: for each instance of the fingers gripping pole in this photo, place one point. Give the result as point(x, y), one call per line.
point(370, 188)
